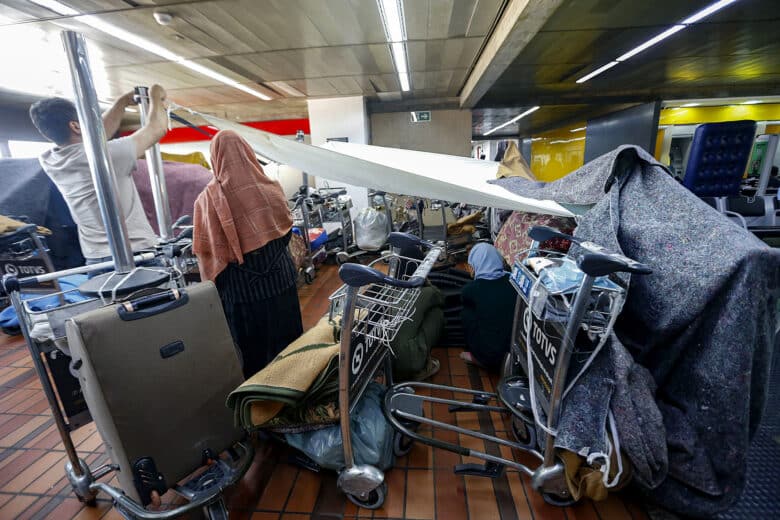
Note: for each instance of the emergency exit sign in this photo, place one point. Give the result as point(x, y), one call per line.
point(421, 116)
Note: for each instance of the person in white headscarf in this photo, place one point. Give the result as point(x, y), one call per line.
point(488, 308)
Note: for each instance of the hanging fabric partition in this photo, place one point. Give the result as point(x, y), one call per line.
point(435, 176)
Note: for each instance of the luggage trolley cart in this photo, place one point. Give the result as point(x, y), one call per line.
point(372, 306)
point(581, 305)
point(25, 252)
point(307, 214)
point(453, 245)
point(57, 372)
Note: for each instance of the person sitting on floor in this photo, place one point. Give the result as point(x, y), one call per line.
point(488, 308)
point(242, 226)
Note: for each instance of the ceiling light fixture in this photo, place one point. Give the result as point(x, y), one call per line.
point(414, 117)
point(564, 141)
point(580, 129)
point(751, 102)
point(133, 39)
point(513, 120)
point(689, 105)
point(700, 15)
point(717, 6)
point(392, 15)
point(596, 72)
point(649, 43)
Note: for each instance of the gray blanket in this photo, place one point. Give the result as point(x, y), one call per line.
point(27, 191)
point(702, 325)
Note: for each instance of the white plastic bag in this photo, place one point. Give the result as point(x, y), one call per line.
point(371, 229)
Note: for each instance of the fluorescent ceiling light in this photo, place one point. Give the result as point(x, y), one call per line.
point(403, 79)
point(133, 39)
point(392, 15)
point(399, 56)
point(689, 105)
point(414, 118)
point(717, 6)
point(564, 141)
point(393, 19)
point(596, 72)
point(513, 120)
point(57, 7)
point(580, 129)
point(751, 102)
point(698, 16)
point(652, 41)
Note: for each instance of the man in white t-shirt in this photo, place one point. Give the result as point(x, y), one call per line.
point(66, 164)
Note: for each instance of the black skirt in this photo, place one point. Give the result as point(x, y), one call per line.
point(260, 299)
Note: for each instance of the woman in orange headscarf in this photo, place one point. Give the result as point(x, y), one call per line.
point(242, 228)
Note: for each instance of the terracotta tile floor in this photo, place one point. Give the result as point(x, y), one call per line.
point(421, 486)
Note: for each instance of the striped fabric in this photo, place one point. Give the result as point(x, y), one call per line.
point(265, 273)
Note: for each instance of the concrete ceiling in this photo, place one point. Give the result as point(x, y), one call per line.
point(289, 49)
point(499, 57)
point(734, 52)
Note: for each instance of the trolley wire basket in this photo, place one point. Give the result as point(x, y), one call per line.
point(380, 309)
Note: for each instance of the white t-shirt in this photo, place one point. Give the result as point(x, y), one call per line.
point(67, 166)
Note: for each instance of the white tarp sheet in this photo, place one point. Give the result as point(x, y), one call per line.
point(435, 176)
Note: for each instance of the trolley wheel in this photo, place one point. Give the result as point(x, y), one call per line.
point(342, 258)
point(520, 431)
point(374, 500)
point(402, 444)
point(89, 502)
point(557, 500)
point(308, 278)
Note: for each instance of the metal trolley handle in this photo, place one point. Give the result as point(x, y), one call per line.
point(595, 260)
point(357, 275)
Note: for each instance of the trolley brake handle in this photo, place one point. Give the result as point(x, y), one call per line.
point(596, 259)
point(184, 220)
point(601, 264)
point(543, 233)
point(401, 240)
point(9, 284)
point(356, 275)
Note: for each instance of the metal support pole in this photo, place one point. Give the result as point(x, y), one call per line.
point(299, 139)
point(345, 368)
point(94, 135)
point(162, 208)
point(562, 366)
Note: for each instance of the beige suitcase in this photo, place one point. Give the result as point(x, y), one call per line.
point(155, 376)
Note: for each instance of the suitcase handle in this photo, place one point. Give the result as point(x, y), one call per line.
point(151, 305)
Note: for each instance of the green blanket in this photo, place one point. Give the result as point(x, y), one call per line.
point(296, 387)
point(414, 341)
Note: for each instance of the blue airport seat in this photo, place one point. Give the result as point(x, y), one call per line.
point(716, 164)
point(717, 158)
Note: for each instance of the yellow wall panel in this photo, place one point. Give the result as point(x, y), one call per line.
point(719, 114)
point(557, 153)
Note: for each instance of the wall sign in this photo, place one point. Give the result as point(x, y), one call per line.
point(421, 116)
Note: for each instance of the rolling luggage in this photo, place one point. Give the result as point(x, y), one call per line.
point(155, 373)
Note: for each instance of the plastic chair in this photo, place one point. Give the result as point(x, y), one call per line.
point(717, 160)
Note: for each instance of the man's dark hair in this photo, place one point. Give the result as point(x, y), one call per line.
point(52, 117)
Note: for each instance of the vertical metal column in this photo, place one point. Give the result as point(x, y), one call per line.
point(94, 135)
point(299, 139)
point(162, 208)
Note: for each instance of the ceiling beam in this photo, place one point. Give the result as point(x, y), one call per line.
point(519, 23)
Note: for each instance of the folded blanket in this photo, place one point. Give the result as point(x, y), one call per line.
point(464, 224)
point(9, 225)
point(296, 378)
